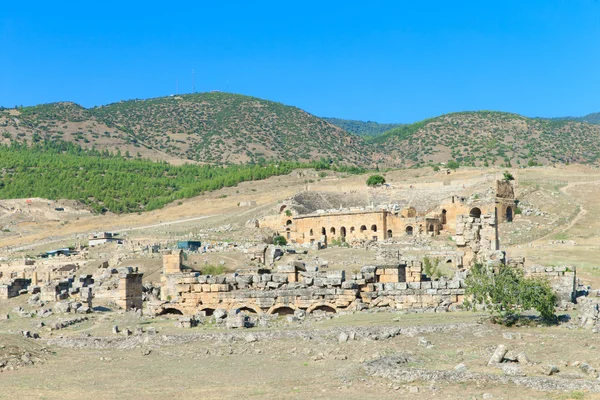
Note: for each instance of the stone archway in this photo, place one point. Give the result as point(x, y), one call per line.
point(332, 231)
point(363, 228)
point(322, 306)
point(250, 308)
point(444, 220)
point(170, 311)
point(475, 212)
point(389, 234)
point(409, 230)
point(373, 228)
point(282, 309)
point(343, 232)
point(509, 214)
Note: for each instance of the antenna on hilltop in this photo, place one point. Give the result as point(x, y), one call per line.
point(193, 81)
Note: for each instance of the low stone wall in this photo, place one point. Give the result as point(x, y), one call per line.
point(563, 280)
point(285, 292)
point(13, 288)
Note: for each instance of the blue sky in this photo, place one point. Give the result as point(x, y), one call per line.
point(386, 61)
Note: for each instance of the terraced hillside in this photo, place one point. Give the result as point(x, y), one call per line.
point(489, 138)
point(228, 128)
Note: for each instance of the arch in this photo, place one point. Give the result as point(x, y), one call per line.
point(288, 222)
point(310, 233)
point(282, 309)
point(409, 230)
point(389, 234)
point(208, 311)
point(323, 231)
point(170, 311)
point(250, 308)
point(352, 229)
point(431, 228)
point(475, 212)
point(373, 228)
point(363, 228)
point(322, 306)
point(343, 231)
point(509, 214)
point(332, 230)
point(288, 235)
point(444, 217)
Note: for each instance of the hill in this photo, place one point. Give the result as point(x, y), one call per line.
point(205, 127)
point(361, 128)
point(489, 138)
point(593, 118)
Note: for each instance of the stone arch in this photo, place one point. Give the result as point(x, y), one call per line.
point(475, 212)
point(208, 311)
point(324, 306)
point(170, 310)
point(248, 308)
point(282, 309)
point(323, 231)
point(352, 229)
point(389, 234)
point(373, 228)
point(332, 230)
point(310, 233)
point(343, 231)
point(409, 230)
point(431, 228)
point(509, 214)
point(363, 228)
point(288, 222)
point(444, 220)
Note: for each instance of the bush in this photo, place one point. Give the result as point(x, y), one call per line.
point(279, 241)
point(436, 168)
point(508, 176)
point(213, 269)
point(452, 164)
point(505, 292)
point(375, 180)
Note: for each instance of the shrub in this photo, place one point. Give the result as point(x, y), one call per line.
point(375, 180)
point(508, 176)
point(505, 292)
point(279, 241)
point(452, 164)
point(213, 269)
point(436, 168)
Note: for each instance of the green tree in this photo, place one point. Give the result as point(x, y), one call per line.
point(452, 164)
point(505, 292)
point(375, 180)
point(508, 176)
point(279, 241)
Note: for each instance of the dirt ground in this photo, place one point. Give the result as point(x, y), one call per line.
point(557, 227)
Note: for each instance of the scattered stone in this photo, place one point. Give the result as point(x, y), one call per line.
point(522, 358)
point(115, 330)
point(460, 367)
point(250, 338)
point(498, 355)
point(512, 370)
point(343, 338)
point(550, 369)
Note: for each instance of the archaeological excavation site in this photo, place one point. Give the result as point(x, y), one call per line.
point(308, 285)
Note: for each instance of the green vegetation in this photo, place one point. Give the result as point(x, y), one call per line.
point(505, 292)
point(213, 269)
point(452, 164)
point(279, 241)
point(508, 176)
point(375, 180)
point(362, 128)
point(59, 170)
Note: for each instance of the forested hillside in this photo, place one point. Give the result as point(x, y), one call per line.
point(486, 138)
point(60, 170)
point(206, 127)
point(223, 127)
point(593, 118)
point(362, 128)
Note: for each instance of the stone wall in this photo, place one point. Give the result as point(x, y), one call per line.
point(130, 291)
point(295, 288)
point(478, 239)
point(563, 280)
point(13, 288)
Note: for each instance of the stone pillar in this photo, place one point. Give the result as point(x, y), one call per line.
point(34, 278)
point(130, 291)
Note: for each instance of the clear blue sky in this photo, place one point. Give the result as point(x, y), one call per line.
point(386, 61)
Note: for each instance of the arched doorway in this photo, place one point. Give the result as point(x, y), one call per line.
point(288, 222)
point(323, 231)
point(332, 231)
point(170, 311)
point(310, 232)
point(444, 217)
point(389, 233)
point(363, 228)
point(409, 230)
point(352, 230)
point(283, 310)
point(475, 212)
point(343, 232)
point(431, 229)
point(373, 228)
point(509, 214)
